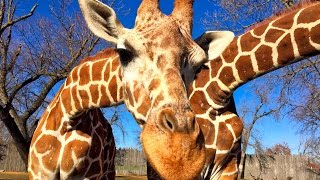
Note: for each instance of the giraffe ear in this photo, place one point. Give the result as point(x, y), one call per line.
point(101, 20)
point(215, 42)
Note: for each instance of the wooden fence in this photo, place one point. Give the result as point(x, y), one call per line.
point(132, 162)
point(280, 167)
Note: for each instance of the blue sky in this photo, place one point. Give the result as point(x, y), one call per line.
point(270, 131)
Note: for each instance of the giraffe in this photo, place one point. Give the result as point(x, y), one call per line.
point(72, 139)
point(149, 71)
point(269, 45)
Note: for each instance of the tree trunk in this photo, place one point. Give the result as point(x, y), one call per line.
point(19, 141)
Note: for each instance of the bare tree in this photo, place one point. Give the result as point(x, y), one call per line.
point(36, 53)
point(253, 112)
point(311, 148)
point(279, 149)
point(238, 15)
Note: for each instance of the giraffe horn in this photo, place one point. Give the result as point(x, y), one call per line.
point(183, 11)
point(149, 6)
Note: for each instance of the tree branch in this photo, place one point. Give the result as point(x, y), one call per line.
point(38, 102)
point(11, 23)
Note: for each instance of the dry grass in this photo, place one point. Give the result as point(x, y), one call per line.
point(119, 177)
point(13, 175)
point(24, 176)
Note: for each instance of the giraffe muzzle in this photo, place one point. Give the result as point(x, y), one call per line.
point(173, 122)
point(174, 144)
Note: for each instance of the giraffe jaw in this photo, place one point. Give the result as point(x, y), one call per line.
point(173, 155)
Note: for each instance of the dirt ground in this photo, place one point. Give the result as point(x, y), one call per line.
point(24, 176)
point(13, 175)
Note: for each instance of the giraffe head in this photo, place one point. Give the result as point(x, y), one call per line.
point(158, 59)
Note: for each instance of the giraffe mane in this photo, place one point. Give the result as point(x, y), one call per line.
point(302, 4)
point(100, 55)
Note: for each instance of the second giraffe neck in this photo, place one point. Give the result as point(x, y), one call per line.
point(285, 40)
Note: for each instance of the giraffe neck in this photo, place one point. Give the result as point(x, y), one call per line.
point(291, 37)
point(95, 83)
point(276, 43)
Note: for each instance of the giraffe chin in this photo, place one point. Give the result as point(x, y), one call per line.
point(173, 155)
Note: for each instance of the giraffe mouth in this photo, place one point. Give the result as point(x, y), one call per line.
point(174, 155)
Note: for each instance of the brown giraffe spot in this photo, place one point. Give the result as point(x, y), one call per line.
point(248, 42)
point(55, 119)
point(96, 146)
point(74, 74)
point(155, 83)
point(115, 65)
point(66, 100)
point(74, 92)
point(215, 93)
point(86, 123)
point(309, 15)
point(84, 97)
point(97, 70)
point(226, 76)
point(315, 35)
point(84, 75)
point(285, 50)
point(129, 96)
point(236, 124)
point(273, 35)
point(75, 148)
point(208, 130)
point(138, 90)
point(260, 30)
point(94, 91)
point(113, 87)
point(160, 60)
point(284, 23)
point(215, 66)
point(264, 58)
point(50, 146)
point(231, 52)
point(225, 138)
point(198, 103)
point(106, 73)
point(165, 43)
point(304, 46)
point(96, 116)
point(244, 67)
point(202, 78)
point(144, 108)
point(104, 96)
point(121, 93)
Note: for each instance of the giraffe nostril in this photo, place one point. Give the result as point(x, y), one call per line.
point(167, 121)
point(169, 124)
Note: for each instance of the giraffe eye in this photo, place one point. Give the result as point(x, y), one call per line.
point(125, 56)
